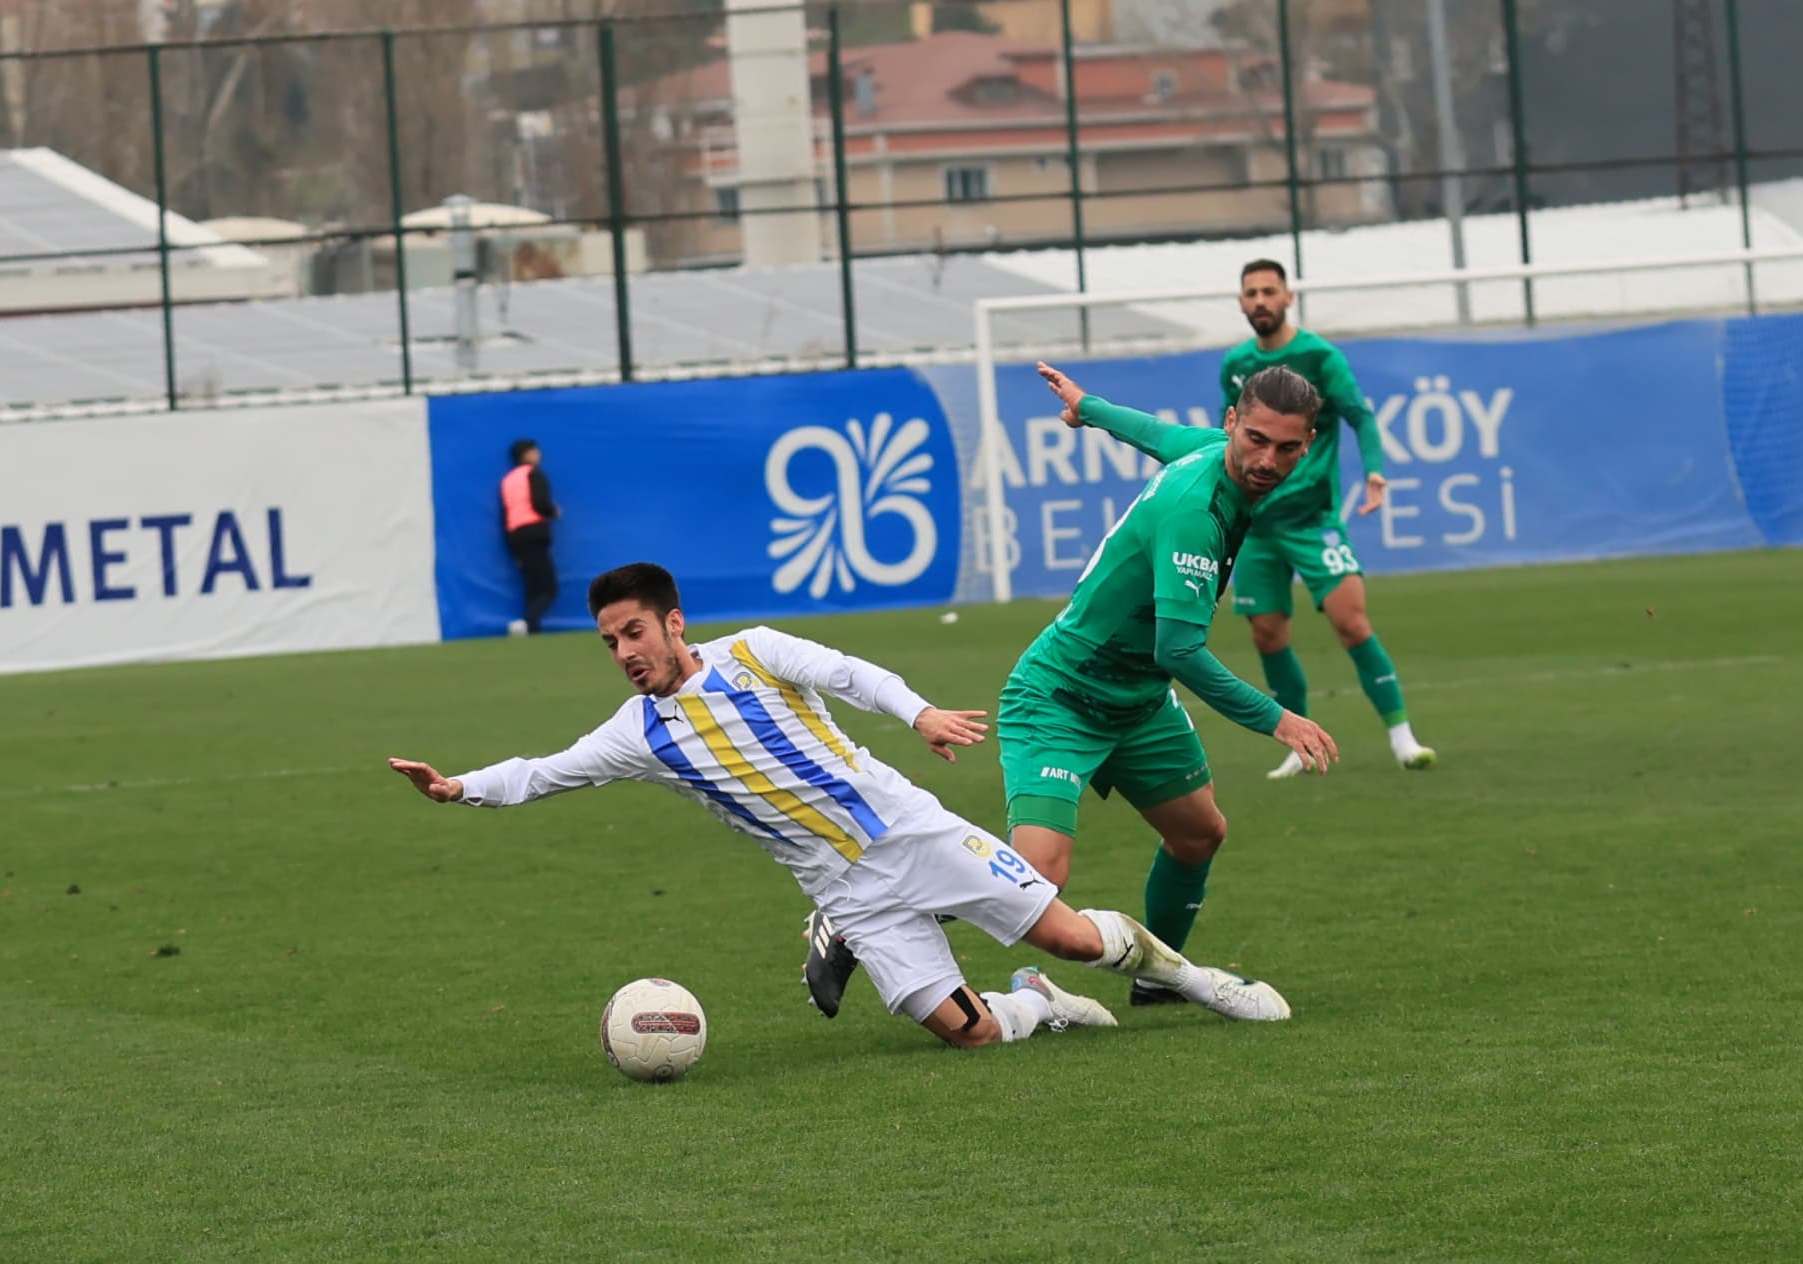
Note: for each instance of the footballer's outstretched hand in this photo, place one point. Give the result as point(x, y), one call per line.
point(1313, 745)
point(428, 780)
point(1376, 485)
point(946, 729)
point(1068, 392)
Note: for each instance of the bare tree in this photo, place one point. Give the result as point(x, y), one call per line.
point(298, 128)
point(1252, 35)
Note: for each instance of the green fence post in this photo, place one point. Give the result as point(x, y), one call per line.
point(1073, 157)
point(616, 195)
point(1737, 96)
point(835, 95)
point(394, 207)
point(1519, 131)
point(1289, 142)
point(154, 56)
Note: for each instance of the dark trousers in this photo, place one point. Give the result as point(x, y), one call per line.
point(531, 548)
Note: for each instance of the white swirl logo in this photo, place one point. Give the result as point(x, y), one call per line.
point(823, 539)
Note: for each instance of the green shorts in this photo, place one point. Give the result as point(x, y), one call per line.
point(1315, 549)
point(1050, 750)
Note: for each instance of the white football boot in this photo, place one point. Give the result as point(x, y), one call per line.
point(1415, 757)
point(1247, 1000)
point(1290, 767)
point(1409, 753)
point(1068, 1009)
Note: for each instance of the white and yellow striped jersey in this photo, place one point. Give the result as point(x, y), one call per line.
point(749, 738)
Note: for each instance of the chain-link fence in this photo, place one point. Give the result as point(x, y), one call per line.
point(593, 198)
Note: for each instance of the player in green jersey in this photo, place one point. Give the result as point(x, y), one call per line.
point(1091, 702)
point(1296, 530)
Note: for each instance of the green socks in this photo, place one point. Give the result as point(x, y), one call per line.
point(1283, 672)
point(1377, 676)
point(1174, 896)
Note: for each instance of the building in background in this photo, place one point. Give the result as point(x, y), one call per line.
point(958, 139)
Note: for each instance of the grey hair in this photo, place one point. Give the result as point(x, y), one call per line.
point(1282, 391)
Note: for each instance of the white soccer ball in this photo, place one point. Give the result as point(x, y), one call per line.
point(653, 1029)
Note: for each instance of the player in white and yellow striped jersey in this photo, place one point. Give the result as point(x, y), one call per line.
point(739, 726)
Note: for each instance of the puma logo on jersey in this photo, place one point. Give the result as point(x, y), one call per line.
point(1196, 569)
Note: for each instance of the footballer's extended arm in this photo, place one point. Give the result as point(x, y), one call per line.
point(1341, 392)
point(607, 754)
point(1182, 649)
point(1163, 441)
point(865, 685)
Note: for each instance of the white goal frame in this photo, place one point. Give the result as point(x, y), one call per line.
point(989, 417)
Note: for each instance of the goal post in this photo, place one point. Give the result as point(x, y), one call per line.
point(992, 436)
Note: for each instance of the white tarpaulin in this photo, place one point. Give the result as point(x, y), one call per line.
point(213, 535)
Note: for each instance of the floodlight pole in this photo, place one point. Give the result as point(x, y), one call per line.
point(616, 195)
point(1073, 157)
point(1452, 196)
point(835, 95)
point(394, 208)
point(1737, 96)
point(1519, 150)
point(1292, 180)
point(154, 58)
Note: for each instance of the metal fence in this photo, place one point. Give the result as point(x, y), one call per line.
point(294, 233)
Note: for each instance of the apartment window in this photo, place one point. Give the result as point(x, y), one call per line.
point(966, 184)
point(726, 202)
point(1235, 164)
point(1260, 78)
point(1334, 164)
point(995, 90)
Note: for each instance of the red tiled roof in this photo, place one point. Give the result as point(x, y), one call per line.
point(916, 82)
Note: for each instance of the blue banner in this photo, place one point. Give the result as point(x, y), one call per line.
point(1499, 450)
point(1065, 488)
point(770, 495)
point(843, 491)
point(1762, 403)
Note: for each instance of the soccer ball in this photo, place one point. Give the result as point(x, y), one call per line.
point(653, 1029)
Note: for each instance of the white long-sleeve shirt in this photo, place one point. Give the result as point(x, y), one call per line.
point(749, 738)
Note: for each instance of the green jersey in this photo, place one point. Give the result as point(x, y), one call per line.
point(1314, 487)
point(1167, 558)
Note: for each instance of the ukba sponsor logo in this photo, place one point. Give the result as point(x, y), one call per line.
point(1199, 572)
point(1195, 565)
point(879, 472)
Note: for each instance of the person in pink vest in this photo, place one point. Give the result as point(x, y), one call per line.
point(526, 514)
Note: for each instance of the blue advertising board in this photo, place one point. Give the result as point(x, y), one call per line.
point(769, 495)
point(1499, 450)
point(778, 495)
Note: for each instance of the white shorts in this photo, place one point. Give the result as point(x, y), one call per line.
point(884, 906)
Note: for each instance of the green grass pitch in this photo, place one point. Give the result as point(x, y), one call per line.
point(1547, 997)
